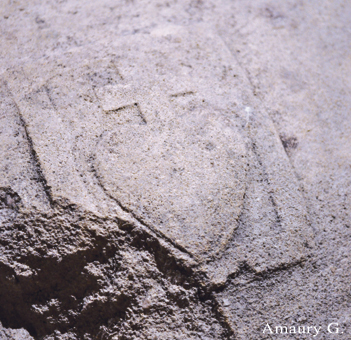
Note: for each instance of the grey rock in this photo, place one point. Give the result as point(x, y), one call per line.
point(173, 170)
point(14, 334)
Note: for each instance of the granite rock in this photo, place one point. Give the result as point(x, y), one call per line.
point(175, 170)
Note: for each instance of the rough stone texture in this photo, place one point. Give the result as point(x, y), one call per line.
point(174, 170)
point(14, 334)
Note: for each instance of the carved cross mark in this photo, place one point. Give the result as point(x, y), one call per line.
point(141, 101)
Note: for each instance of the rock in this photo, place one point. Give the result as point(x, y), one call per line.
point(15, 334)
point(174, 176)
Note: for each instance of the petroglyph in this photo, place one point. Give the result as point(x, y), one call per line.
point(164, 139)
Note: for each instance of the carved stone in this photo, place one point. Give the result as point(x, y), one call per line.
point(174, 170)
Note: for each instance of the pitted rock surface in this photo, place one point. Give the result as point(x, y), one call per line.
point(174, 160)
point(154, 142)
point(174, 170)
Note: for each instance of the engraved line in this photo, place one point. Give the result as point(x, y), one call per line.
point(141, 221)
point(33, 154)
point(117, 70)
point(126, 107)
point(182, 94)
point(47, 91)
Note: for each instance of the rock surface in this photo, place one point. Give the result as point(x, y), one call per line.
point(174, 170)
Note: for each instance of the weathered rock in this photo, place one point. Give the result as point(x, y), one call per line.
point(15, 334)
point(172, 177)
